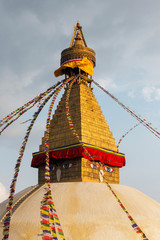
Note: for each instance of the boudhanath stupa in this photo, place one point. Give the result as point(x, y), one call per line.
point(84, 164)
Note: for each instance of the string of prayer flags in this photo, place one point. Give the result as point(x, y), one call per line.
point(9, 119)
point(26, 121)
point(120, 140)
point(67, 109)
point(50, 223)
point(138, 117)
point(71, 125)
point(17, 168)
point(47, 172)
point(36, 99)
point(133, 223)
point(19, 115)
point(49, 217)
point(48, 212)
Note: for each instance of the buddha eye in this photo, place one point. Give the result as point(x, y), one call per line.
point(94, 166)
point(108, 169)
point(68, 165)
point(52, 168)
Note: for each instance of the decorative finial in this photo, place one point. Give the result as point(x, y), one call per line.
point(78, 25)
point(78, 30)
point(78, 57)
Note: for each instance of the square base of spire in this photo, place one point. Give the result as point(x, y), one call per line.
point(79, 170)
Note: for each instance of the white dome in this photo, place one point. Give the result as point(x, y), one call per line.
point(89, 211)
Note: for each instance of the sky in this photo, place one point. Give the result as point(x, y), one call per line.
point(125, 36)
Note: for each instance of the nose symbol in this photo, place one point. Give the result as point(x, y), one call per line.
point(58, 173)
point(101, 173)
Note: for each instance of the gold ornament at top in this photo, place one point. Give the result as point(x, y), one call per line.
point(77, 56)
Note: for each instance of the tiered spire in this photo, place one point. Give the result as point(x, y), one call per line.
point(67, 156)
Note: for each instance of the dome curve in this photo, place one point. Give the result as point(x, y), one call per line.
point(89, 211)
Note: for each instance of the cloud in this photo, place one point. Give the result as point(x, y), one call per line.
point(107, 83)
point(131, 94)
point(33, 36)
point(13, 82)
point(3, 193)
point(151, 94)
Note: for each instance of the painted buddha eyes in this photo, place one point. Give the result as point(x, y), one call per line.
point(108, 169)
point(53, 168)
point(68, 165)
point(95, 166)
point(65, 166)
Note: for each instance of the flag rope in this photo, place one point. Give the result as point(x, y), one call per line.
point(132, 113)
point(71, 125)
point(9, 207)
point(123, 136)
point(48, 212)
point(49, 219)
point(9, 119)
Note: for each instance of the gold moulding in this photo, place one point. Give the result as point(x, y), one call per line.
point(77, 52)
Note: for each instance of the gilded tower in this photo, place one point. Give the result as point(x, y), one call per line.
point(69, 161)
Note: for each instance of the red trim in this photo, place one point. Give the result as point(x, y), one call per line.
point(111, 158)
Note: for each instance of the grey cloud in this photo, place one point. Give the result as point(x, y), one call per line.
point(33, 34)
